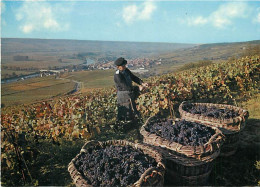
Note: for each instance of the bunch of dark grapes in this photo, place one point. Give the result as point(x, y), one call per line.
point(182, 132)
point(113, 165)
point(210, 111)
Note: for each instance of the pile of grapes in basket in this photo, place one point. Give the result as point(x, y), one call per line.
point(183, 132)
point(210, 111)
point(113, 165)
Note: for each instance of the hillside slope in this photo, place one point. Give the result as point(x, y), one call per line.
point(51, 128)
point(93, 48)
point(214, 52)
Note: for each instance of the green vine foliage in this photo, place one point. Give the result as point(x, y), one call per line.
point(87, 116)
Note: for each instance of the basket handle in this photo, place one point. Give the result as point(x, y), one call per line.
point(91, 143)
point(215, 138)
point(146, 173)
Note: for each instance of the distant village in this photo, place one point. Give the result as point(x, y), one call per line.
point(133, 64)
point(139, 65)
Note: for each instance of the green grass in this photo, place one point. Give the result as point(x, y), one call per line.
point(253, 106)
point(165, 68)
point(93, 79)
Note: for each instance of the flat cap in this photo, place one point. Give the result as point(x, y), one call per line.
point(120, 61)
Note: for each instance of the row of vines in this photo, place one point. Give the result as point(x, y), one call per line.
point(86, 116)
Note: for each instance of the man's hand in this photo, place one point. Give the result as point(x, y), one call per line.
point(144, 84)
point(141, 88)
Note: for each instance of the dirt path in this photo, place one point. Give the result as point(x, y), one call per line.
point(78, 85)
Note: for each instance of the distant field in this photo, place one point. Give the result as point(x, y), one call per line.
point(40, 60)
point(165, 68)
point(42, 88)
point(92, 79)
point(33, 90)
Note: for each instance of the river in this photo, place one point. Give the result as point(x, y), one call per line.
point(5, 81)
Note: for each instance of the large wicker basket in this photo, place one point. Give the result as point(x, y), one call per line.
point(151, 177)
point(227, 126)
point(185, 170)
point(189, 165)
point(230, 127)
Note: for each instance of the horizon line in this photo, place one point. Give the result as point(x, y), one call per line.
point(127, 41)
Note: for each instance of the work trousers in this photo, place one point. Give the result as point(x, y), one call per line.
point(126, 105)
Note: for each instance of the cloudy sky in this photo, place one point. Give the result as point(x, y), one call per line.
point(146, 21)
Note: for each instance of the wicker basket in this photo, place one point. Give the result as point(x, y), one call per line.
point(230, 127)
point(230, 145)
point(151, 177)
point(197, 152)
point(192, 164)
point(227, 126)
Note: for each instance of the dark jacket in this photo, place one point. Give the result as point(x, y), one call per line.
point(121, 83)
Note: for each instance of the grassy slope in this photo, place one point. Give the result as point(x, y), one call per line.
point(165, 68)
point(37, 89)
point(93, 79)
point(215, 52)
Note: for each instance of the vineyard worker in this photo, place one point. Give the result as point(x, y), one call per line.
point(126, 92)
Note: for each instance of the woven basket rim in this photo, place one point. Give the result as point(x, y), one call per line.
point(198, 152)
point(160, 168)
point(188, 161)
point(229, 124)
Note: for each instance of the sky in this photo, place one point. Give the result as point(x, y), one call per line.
point(139, 21)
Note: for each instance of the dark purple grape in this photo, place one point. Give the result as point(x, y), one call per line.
point(182, 132)
point(113, 165)
point(210, 111)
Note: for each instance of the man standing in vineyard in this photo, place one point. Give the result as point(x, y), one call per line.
point(126, 92)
